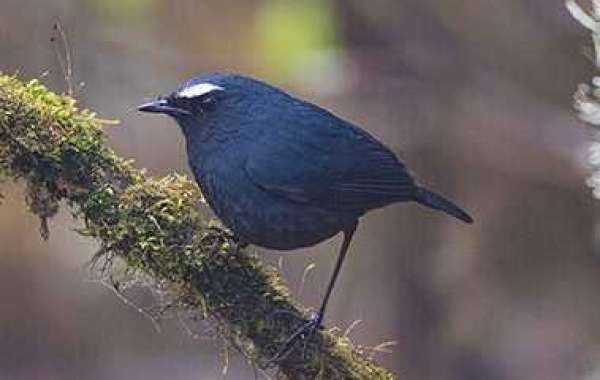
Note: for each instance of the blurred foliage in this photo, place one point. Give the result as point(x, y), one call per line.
point(119, 9)
point(288, 33)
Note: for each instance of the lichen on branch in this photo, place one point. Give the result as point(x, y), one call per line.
point(156, 227)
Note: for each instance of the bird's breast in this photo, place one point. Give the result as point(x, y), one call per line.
point(261, 218)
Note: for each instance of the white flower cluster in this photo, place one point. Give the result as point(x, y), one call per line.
point(587, 102)
point(587, 97)
point(593, 160)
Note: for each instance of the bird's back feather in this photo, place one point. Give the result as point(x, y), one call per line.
point(316, 158)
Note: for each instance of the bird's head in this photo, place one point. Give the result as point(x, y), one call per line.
point(214, 101)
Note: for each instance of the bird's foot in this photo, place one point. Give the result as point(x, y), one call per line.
point(237, 246)
point(303, 334)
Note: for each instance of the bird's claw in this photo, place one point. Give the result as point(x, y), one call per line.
point(304, 334)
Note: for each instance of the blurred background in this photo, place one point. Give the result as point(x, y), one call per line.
point(475, 96)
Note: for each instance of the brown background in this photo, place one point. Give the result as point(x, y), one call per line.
point(474, 95)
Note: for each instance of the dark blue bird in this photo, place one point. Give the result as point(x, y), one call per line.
point(283, 173)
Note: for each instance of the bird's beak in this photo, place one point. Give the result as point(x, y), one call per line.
point(161, 106)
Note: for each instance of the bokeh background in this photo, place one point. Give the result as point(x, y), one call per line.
point(475, 95)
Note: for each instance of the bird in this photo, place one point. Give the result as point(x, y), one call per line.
point(282, 173)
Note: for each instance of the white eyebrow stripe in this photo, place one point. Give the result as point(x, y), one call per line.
point(198, 90)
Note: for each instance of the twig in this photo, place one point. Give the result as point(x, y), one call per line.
point(64, 58)
point(309, 268)
point(126, 301)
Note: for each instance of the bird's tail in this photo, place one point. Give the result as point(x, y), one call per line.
point(437, 202)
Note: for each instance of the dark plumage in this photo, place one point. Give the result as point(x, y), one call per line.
point(283, 173)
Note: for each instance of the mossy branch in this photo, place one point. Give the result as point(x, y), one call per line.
point(155, 227)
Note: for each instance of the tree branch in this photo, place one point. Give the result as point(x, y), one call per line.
point(155, 227)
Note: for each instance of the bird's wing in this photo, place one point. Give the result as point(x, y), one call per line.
point(326, 162)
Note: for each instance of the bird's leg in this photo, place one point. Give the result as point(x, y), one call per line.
point(306, 331)
point(338, 265)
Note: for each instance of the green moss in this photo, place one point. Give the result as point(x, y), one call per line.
point(155, 227)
